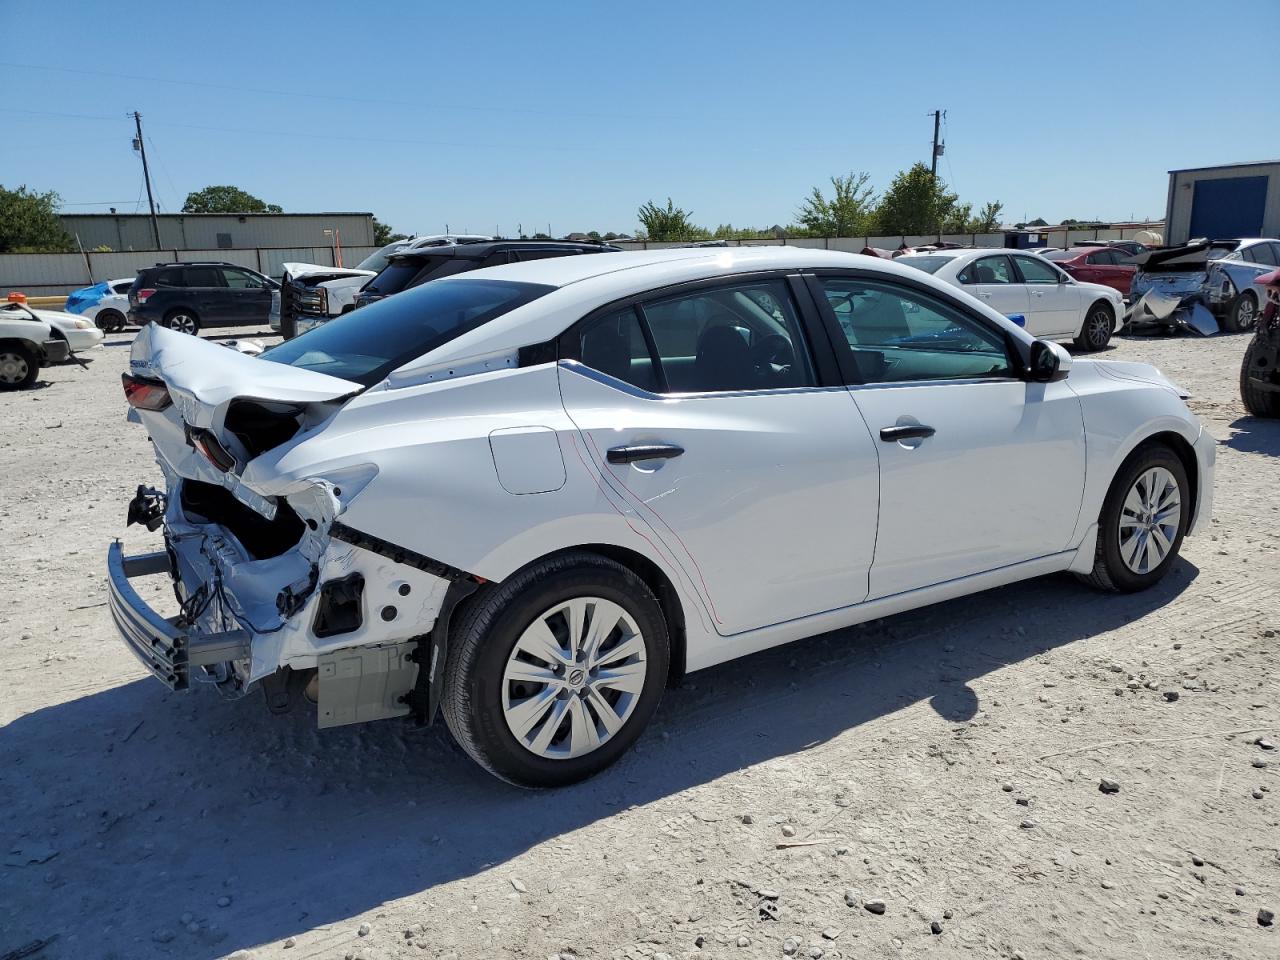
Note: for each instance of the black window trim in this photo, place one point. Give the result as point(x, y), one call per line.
point(812, 332)
point(1019, 353)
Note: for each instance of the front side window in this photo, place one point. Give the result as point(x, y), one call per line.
point(902, 335)
point(741, 337)
point(241, 280)
point(1035, 270)
point(615, 345)
point(368, 344)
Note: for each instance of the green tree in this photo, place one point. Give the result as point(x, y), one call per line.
point(846, 214)
point(916, 202)
point(382, 234)
point(988, 218)
point(29, 223)
point(227, 199)
point(669, 223)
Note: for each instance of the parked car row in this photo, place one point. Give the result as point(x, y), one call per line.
point(32, 338)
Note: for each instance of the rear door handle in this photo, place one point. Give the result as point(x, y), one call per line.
point(907, 431)
point(644, 451)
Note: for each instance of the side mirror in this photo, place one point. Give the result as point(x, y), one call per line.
point(1049, 362)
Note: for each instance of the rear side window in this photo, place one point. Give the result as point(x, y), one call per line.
point(366, 345)
point(731, 338)
point(171, 277)
point(927, 264)
point(204, 277)
point(122, 287)
point(1264, 254)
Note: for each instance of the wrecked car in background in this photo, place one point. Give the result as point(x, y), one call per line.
point(1260, 368)
point(1195, 286)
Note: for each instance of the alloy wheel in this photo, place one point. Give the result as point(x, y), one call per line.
point(183, 323)
point(1149, 520)
point(1099, 328)
point(1246, 313)
point(573, 678)
point(13, 368)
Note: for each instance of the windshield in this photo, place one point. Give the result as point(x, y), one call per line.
point(927, 264)
point(367, 344)
point(397, 274)
point(378, 259)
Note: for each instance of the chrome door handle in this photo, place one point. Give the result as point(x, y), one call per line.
point(907, 431)
point(644, 451)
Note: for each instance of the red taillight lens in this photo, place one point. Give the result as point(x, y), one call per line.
point(143, 294)
point(145, 394)
point(210, 448)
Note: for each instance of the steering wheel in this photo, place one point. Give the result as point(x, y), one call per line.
point(772, 355)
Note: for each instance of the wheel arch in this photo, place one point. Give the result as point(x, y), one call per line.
point(30, 345)
point(1181, 447)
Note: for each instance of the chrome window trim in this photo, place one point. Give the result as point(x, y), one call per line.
point(580, 368)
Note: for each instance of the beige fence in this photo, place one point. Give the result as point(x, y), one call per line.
point(51, 274)
point(1050, 238)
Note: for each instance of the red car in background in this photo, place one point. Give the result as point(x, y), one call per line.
point(1107, 265)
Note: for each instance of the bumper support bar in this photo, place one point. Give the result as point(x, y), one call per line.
point(166, 649)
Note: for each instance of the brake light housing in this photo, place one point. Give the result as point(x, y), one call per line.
point(144, 294)
point(145, 393)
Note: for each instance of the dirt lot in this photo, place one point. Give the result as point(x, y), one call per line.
point(945, 762)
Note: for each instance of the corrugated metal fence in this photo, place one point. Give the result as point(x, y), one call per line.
point(50, 274)
point(1052, 238)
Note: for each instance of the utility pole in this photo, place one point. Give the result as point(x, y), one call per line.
point(937, 147)
point(146, 175)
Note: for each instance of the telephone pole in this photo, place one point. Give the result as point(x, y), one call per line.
point(938, 148)
point(146, 175)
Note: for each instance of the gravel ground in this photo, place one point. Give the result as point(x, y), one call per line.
point(925, 785)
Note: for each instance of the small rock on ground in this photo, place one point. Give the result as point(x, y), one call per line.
point(875, 906)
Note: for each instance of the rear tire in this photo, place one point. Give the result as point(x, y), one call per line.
point(109, 321)
point(183, 320)
point(1243, 313)
point(19, 367)
point(1259, 402)
point(554, 731)
point(1099, 325)
point(1142, 523)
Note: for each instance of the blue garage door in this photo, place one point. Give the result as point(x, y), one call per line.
point(1228, 208)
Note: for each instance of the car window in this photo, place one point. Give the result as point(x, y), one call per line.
point(614, 344)
point(443, 267)
point(369, 343)
point(496, 259)
point(204, 277)
point(398, 273)
point(1264, 254)
point(925, 263)
point(122, 287)
point(241, 280)
point(1036, 270)
point(903, 335)
point(1102, 257)
point(173, 277)
point(741, 337)
point(988, 270)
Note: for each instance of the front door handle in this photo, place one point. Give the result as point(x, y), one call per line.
point(907, 431)
point(644, 451)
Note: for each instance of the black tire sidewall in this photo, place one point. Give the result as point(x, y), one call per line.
point(497, 626)
point(33, 368)
point(180, 311)
point(109, 321)
point(1143, 459)
point(1088, 327)
point(1233, 315)
point(1257, 402)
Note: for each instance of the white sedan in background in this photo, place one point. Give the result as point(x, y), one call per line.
point(80, 334)
point(529, 495)
point(1019, 283)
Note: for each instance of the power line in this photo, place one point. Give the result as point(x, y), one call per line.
point(296, 94)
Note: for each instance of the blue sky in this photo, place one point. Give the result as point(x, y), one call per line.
point(573, 114)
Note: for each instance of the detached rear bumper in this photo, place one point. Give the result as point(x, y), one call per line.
point(167, 650)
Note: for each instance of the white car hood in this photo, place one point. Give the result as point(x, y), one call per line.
point(55, 318)
point(203, 376)
point(300, 271)
point(1131, 370)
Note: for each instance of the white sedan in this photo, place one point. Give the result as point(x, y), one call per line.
point(80, 334)
point(106, 304)
point(1019, 283)
point(529, 495)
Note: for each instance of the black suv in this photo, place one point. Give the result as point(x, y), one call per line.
point(191, 296)
point(415, 267)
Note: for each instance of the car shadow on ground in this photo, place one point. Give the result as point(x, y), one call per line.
point(130, 807)
point(1255, 435)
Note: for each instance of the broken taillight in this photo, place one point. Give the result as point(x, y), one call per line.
point(210, 447)
point(145, 394)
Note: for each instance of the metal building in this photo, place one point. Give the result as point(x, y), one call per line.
point(1233, 200)
point(219, 231)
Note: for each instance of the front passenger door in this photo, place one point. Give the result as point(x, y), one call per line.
point(994, 281)
point(249, 297)
point(1055, 299)
point(978, 468)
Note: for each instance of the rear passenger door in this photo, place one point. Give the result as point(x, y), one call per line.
point(993, 280)
point(211, 298)
point(727, 440)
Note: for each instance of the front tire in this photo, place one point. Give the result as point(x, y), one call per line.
point(1259, 402)
point(1243, 313)
point(1099, 324)
point(18, 367)
point(554, 673)
point(1143, 520)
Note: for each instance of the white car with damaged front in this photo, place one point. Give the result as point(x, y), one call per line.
point(528, 496)
point(1021, 283)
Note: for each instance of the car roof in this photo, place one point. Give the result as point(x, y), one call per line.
point(479, 249)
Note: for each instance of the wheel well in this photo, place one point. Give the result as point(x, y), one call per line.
point(655, 579)
point(1105, 303)
point(1185, 453)
point(24, 344)
point(180, 309)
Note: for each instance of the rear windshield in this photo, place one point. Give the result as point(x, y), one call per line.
point(397, 274)
point(367, 344)
point(927, 264)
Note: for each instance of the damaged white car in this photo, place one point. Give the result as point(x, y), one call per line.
point(528, 496)
point(1195, 286)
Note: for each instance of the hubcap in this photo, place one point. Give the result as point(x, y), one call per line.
point(13, 368)
point(574, 678)
point(1149, 520)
